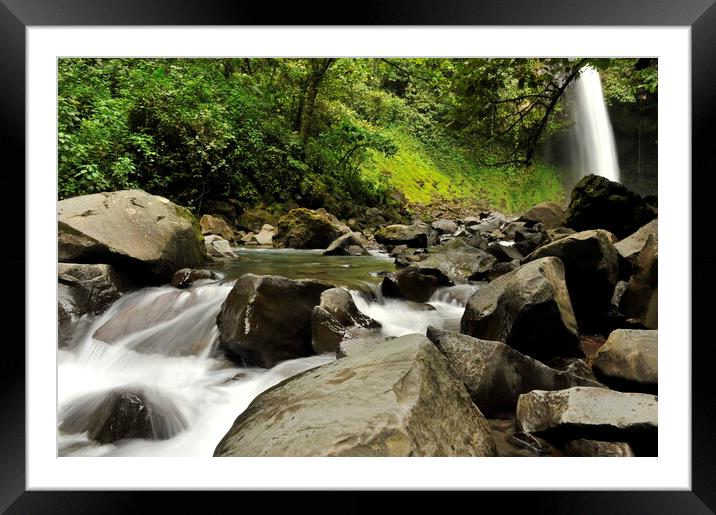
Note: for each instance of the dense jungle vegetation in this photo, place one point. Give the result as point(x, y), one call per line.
point(339, 133)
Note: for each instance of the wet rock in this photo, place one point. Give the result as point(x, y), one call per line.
point(337, 318)
point(631, 247)
point(528, 309)
point(339, 303)
point(405, 256)
point(144, 235)
point(307, 229)
point(123, 413)
point(491, 222)
point(187, 276)
point(398, 399)
point(459, 261)
point(594, 448)
point(218, 247)
point(444, 226)
point(413, 283)
point(598, 203)
point(417, 235)
point(591, 413)
point(628, 361)
point(503, 252)
point(350, 244)
point(498, 270)
point(526, 242)
point(640, 298)
point(361, 344)
point(94, 287)
point(495, 375)
point(575, 366)
point(267, 318)
point(83, 290)
point(214, 225)
point(559, 233)
point(326, 332)
point(547, 214)
point(591, 266)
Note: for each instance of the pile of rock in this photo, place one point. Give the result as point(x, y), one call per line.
point(555, 280)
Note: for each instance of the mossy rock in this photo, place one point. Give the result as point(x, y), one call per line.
point(598, 203)
point(308, 229)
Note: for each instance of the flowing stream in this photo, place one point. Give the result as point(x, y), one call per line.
point(595, 150)
point(163, 342)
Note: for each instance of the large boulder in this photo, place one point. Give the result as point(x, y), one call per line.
point(94, 287)
point(444, 226)
point(591, 266)
point(598, 203)
point(592, 413)
point(337, 318)
point(417, 235)
point(142, 234)
point(631, 247)
point(267, 318)
point(397, 399)
point(214, 225)
point(123, 413)
point(350, 244)
point(495, 375)
point(83, 290)
point(640, 298)
point(629, 361)
point(307, 229)
point(413, 283)
point(547, 214)
point(459, 261)
point(528, 309)
point(354, 346)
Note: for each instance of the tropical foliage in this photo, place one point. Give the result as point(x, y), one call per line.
point(338, 133)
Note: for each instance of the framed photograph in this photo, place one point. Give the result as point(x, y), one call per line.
point(44, 41)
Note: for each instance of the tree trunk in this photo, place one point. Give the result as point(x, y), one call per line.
point(533, 138)
point(319, 67)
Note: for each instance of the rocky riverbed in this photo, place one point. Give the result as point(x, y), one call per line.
point(305, 335)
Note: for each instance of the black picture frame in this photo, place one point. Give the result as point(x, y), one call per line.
point(17, 15)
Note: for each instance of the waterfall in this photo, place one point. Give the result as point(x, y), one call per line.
point(594, 150)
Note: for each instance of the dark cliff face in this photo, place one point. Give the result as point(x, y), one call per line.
point(636, 135)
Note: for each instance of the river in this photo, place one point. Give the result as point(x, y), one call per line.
point(163, 342)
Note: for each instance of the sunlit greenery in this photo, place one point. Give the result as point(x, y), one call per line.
point(338, 133)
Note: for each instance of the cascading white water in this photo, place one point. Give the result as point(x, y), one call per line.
point(594, 150)
point(160, 341)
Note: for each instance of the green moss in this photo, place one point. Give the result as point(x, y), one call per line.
point(425, 173)
point(187, 215)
